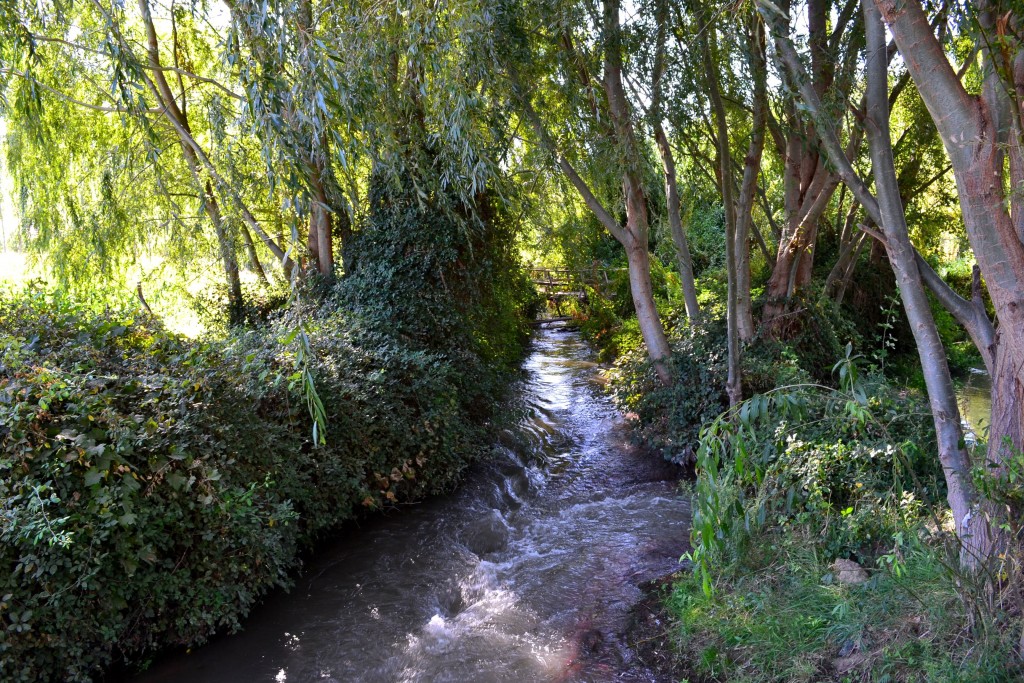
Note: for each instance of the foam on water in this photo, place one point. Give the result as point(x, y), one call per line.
point(566, 521)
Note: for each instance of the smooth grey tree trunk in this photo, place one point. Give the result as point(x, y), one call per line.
point(981, 133)
point(975, 536)
point(636, 202)
point(684, 262)
point(744, 212)
point(708, 48)
point(634, 235)
point(973, 528)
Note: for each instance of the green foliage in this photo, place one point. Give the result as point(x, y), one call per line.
point(439, 275)
point(606, 315)
point(600, 323)
point(153, 488)
point(712, 288)
point(812, 342)
point(803, 474)
point(706, 237)
point(789, 620)
point(852, 471)
point(669, 418)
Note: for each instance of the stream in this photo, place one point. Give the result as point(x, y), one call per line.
point(529, 572)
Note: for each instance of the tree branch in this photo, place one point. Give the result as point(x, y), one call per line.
point(71, 100)
point(975, 321)
point(591, 200)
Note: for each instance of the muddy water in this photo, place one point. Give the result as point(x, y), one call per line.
point(975, 399)
point(528, 573)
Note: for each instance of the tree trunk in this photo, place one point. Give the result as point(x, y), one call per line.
point(194, 154)
point(1007, 398)
point(636, 202)
point(642, 292)
point(236, 303)
point(321, 230)
point(973, 530)
point(321, 238)
point(809, 182)
point(679, 241)
point(709, 49)
point(974, 131)
point(850, 240)
point(254, 258)
point(682, 247)
point(632, 236)
point(161, 89)
point(795, 258)
point(744, 215)
point(847, 275)
point(974, 526)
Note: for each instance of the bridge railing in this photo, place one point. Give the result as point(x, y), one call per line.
point(598, 277)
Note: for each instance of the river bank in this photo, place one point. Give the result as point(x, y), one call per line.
point(156, 488)
point(530, 572)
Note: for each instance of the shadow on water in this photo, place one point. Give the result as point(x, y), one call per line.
point(527, 573)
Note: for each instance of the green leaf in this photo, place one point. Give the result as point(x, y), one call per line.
point(176, 480)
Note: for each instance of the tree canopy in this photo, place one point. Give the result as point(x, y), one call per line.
point(785, 171)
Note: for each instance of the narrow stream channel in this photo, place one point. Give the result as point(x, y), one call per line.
point(528, 573)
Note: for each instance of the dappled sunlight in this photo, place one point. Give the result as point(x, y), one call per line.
point(15, 268)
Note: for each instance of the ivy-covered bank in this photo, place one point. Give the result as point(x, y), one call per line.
point(153, 488)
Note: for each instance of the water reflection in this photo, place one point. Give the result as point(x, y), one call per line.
point(975, 401)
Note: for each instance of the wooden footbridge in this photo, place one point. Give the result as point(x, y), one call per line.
point(559, 284)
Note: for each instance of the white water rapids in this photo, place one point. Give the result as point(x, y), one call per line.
point(527, 573)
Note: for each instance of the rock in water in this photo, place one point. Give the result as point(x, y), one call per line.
point(849, 572)
point(489, 534)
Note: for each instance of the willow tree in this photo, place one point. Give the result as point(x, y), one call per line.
point(809, 180)
point(282, 56)
point(984, 137)
point(737, 198)
point(150, 76)
point(602, 117)
point(660, 71)
point(976, 521)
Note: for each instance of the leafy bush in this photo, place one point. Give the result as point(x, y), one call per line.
point(153, 488)
point(851, 467)
point(611, 335)
point(669, 418)
point(439, 276)
point(706, 236)
point(138, 508)
point(812, 342)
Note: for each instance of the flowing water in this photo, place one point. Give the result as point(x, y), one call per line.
point(528, 573)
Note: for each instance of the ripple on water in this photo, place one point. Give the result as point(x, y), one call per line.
point(527, 574)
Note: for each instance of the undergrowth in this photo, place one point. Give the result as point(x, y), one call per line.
point(153, 488)
point(780, 615)
point(793, 482)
